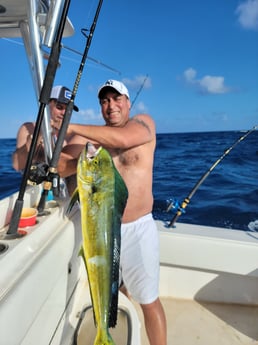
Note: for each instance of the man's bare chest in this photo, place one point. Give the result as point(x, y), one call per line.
point(125, 158)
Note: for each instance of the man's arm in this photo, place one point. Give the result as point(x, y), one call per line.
point(23, 142)
point(137, 131)
point(67, 164)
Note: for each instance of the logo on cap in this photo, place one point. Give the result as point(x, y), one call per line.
point(109, 82)
point(68, 94)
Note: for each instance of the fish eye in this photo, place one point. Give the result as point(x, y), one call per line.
point(94, 189)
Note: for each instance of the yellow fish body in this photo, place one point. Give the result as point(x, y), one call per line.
point(103, 195)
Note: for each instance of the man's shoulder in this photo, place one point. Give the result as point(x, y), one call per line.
point(27, 127)
point(145, 119)
point(142, 116)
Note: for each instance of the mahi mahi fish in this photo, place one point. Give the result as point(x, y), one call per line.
point(103, 195)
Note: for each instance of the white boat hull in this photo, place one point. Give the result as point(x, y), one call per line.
point(209, 264)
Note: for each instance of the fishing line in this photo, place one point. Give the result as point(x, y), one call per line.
point(44, 98)
point(52, 175)
point(46, 55)
point(12, 41)
point(92, 59)
point(180, 209)
point(140, 89)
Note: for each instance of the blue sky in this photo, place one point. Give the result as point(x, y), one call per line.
point(200, 58)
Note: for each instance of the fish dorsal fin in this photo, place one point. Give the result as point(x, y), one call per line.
point(122, 195)
point(115, 282)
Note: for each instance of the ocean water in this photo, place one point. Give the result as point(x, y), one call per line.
point(9, 179)
point(228, 197)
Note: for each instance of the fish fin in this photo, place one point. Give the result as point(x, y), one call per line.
point(115, 282)
point(75, 197)
point(121, 192)
point(104, 338)
point(81, 253)
point(121, 199)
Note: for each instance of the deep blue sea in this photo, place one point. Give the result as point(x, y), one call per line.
point(228, 197)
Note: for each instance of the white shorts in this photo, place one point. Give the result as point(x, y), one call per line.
point(139, 259)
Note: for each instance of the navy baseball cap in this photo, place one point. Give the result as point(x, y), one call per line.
point(63, 95)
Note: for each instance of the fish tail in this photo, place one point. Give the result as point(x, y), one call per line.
point(103, 337)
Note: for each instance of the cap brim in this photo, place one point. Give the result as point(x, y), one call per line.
point(75, 108)
point(107, 88)
point(104, 89)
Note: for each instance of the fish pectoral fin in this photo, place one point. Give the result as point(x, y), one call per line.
point(74, 198)
point(81, 253)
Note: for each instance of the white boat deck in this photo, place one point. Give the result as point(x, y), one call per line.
point(192, 323)
point(189, 323)
point(211, 280)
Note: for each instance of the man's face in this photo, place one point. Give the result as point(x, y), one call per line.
point(57, 111)
point(115, 108)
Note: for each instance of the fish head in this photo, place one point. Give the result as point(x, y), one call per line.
point(98, 179)
point(91, 150)
point(94, 163)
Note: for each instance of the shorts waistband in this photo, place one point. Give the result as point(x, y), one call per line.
point(142, 219)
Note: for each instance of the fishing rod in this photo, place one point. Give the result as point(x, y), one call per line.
point(43, 99)
point(52, 174)
point(181, 208)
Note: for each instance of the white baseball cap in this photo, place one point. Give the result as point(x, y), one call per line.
point(114, 84)
point(62, 94)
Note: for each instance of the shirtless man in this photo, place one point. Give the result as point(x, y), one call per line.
point(60, 96)
point(131, 143)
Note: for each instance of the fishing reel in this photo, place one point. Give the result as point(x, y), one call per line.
point(174, 206)
point(37, 173)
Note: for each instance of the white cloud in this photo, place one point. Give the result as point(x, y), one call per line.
point(213, 84)
point(137, 82)
point(141, 108)
point(135, 87)
point(190, 75)
point(247, 13)
point(87, 116)
point(208, 84)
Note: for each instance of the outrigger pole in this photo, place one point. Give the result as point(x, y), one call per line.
point(186, 201)
point(52, 174)
point(44, 99)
